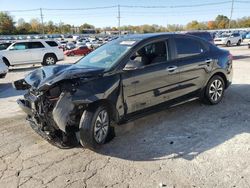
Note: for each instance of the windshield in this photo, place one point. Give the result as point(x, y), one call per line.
point(106, 56)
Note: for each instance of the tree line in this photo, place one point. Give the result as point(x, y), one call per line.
point(8, 26)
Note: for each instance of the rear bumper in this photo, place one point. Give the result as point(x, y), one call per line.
point(219, 42)
point(60, 56)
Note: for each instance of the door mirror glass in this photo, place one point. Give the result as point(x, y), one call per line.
point(12, 48)
point(131, 65)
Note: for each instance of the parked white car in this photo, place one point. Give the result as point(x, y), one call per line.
point(46, 52)
point(228, 39)
point(3, 69)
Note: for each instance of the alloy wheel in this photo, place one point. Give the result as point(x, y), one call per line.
point(50, 60)
point(216, 90)
point(101, 126)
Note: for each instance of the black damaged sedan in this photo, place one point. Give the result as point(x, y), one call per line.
point(121, 80)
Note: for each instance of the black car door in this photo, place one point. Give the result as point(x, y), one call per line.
point(153, 82)
point(194, 63)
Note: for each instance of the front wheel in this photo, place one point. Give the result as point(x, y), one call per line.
point(214, 91)
point(238, 43)
point(228, 43)
point(94, 127)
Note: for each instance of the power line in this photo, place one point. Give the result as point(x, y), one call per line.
point(178, 6)
point(127, 6)
point(25, 10)
point(70, 9)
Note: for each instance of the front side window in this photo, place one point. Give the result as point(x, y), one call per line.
point(19, 46)
point(4, 46)
point(186, 47)
point(150, 54)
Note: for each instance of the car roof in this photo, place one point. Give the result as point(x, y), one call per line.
point(35, 40)
point(144, 36)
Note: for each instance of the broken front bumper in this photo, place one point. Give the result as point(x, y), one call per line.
point(52, 138)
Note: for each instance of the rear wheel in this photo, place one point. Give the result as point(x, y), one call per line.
point(228, 43)
point(94, 127)
point(214, 91)
point(49, 59)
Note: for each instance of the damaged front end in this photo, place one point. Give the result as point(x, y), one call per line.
point(48, 102)
point(53, 115)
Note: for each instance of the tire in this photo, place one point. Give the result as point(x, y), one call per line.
point(228, 43)
point(3, 75)
point(214, 90)
point(94, 127)
point(238, 43)
point(6, 62)
point(49, 59)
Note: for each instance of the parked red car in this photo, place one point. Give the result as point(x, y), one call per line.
point(82, 50)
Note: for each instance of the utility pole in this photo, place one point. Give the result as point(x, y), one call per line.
point(119, 19)
point(41, 14)
point(231, 14)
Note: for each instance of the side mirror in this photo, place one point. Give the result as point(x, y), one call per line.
point(11, 48)
point(131, 65)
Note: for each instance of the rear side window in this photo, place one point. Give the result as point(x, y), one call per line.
point(52, 43)
point(236, 34)
point(186, 47)
point(34, 45)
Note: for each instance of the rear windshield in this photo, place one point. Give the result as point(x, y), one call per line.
point(51, 43)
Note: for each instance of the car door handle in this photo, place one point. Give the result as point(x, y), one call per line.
point(208, 61)
point(135, 82)
point(171, 68)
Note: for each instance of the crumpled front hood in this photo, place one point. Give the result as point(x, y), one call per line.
point(46, 76)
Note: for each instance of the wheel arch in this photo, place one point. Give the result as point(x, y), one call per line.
point(107, 103)
point(6, 61)
point(50, 53)
point(222, 75)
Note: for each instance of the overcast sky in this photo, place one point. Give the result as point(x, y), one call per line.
point(129, 15)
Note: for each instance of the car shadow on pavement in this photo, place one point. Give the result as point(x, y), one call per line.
point(24, 68)
point(238, 57)
point(184, 131)
point(6, 90)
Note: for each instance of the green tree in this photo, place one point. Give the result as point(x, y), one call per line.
point(222, 21)
point(6, 24)
point(35, 26)
point(23, 27)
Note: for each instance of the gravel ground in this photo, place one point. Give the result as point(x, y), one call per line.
point(191, 145)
